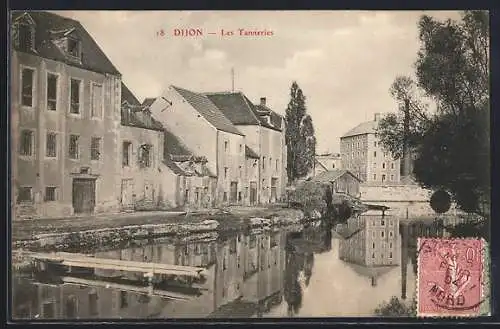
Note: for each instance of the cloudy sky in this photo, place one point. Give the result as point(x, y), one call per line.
point(344, 61)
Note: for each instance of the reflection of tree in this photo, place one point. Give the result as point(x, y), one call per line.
point(308, 266)
point(293, 291)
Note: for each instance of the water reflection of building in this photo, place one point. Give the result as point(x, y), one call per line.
point(371, 241)
point(250, 274)
point(245, 268)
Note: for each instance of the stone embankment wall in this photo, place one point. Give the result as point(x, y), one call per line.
point(402, 199)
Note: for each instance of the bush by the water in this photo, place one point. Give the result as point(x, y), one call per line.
point(397, 308)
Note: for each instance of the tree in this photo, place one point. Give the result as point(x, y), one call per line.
point(300, 139)
point(452, 145)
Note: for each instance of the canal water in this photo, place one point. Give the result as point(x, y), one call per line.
point(313, 271)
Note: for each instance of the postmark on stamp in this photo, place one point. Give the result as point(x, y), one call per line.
point(451, 277)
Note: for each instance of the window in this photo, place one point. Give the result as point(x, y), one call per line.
point(263, 182)
point(74, 47)
point(224, 198)
point(240, 169)
point(390, 234)
point(27, 141)
point(145, 155)
point(123, 299)
point(277, 164)
point(51, 92)
point(95, 148)
point(382, 222)
point(390, 244)
point(74, 147)
point(383, 178)
point(93, 307)
point(374, 154)
point(239, 196)
point(390, 254)
point(374, 176)
point(392, 177)
point(373, 255)
point(75, 96)
point(270, 163)
point(226, 146)
point(226, 169)
point(392, 165)
point(27, 86)
point(50, 193)
point(241, 148)
point(127, 149)
point(263, 163)
point(375, 144)
point(382, 234)
point(25, 37)
point(197, 195)
point(383, 165)
point(373, 245)
point(24, 194)
point(333, 165)
point(71, 307)
point(97, 101)
point(51, 145)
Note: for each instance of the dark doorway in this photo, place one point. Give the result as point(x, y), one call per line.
point(83, 195)
point(234, 192)
point(253, 193)
point(274, 187)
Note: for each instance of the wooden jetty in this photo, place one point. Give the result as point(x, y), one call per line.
point(88, 261)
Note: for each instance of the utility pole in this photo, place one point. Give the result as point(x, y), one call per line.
point(232, 79)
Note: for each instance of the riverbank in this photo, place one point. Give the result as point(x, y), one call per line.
point(92, 232)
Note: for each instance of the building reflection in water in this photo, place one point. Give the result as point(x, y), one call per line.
point(247, 275)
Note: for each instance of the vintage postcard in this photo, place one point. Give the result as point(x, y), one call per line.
point(249, 164)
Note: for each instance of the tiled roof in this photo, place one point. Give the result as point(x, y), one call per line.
point(318, 163)
point(128, 96)
point(235, 107)
point(93, 58)
point(368, 127)
point(174, 146)
point(251, 153)
point(208, 110)
point(332, 175)
point(134, 115)
point(262, 112)
point(148, 101)
point(174, 167)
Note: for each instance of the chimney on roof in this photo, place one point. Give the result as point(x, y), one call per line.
point(377, 116)
point(263, 101)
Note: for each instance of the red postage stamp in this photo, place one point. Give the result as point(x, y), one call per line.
point(450, 277)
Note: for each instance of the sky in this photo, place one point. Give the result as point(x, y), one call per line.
point(344, 61)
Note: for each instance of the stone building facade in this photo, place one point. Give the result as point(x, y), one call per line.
point(264, 132)
point(65, 115)
point(364, 156)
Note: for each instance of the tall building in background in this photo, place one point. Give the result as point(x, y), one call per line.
point(364, 156)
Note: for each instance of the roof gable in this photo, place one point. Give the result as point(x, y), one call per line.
point(368, 127)
point(24, 18)
point(128, 96)
point(333, 175)
point(50, 28)
point(234, 107)
point(249, 153)
point(208, 110)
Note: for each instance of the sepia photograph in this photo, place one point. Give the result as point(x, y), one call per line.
point(249, 164)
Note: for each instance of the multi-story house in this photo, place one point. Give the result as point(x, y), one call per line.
point(364, 156)
point(201, 126)
point(326, 162)
point(141, 140)
point(265, 137)
point(371, 241)
point(65, 115)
